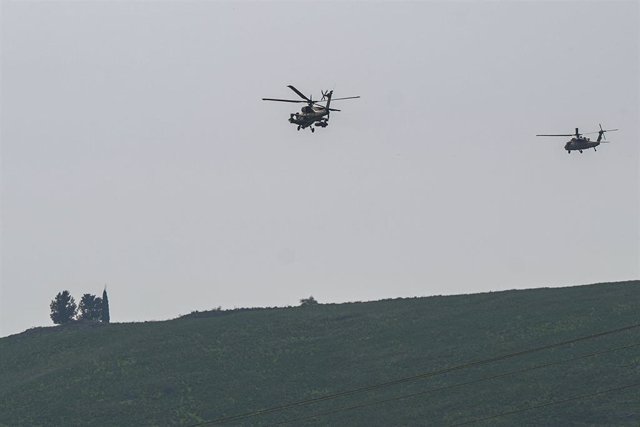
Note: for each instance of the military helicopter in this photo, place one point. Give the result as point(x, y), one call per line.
point(313, 114)
point(581, 143)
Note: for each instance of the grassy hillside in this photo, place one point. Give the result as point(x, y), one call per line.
point(215, 364)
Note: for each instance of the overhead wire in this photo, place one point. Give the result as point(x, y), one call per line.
point(411, 378)
point(554, 402)
point(451, 386)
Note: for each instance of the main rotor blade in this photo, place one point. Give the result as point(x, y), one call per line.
point(282, 100)
point(348, 97)
point(563, 134)
point(322, 106)
point(300, 94)
point(598, 131)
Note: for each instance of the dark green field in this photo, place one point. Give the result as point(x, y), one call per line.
point(211, 365)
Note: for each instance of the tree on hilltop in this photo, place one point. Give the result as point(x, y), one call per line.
point(63, 308)
point(105, 318)
point(90, 308)
point(308, 301)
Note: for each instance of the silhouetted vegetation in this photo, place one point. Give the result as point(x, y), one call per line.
point(308, 301)
point(90, 308)
point(63, 308)
point(105, 316)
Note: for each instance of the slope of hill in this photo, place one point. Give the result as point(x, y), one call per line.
point(212, 365)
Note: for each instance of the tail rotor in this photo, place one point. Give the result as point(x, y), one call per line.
point(326, 96)
point(601, 133)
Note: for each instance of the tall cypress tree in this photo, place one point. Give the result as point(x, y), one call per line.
point(105, 307)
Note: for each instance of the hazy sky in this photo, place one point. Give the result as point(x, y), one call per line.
point(136, 152)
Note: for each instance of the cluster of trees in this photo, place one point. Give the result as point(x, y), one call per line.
point(305, 302)
point(64, 309)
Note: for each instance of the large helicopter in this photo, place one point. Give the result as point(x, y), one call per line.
point(580, 143)
point(313, 114)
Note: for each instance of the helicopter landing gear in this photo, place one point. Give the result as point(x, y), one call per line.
point(594, 149)
point(568, 151)
point(313, 130)
point(298, 127)
point(580, 151)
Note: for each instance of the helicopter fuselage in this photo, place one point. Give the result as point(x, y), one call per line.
point(309, 116)
point(580, 144)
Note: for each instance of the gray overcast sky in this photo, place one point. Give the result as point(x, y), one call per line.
point(136, 152)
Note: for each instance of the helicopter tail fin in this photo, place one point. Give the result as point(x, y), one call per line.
point(327, 95)
point(601, 132)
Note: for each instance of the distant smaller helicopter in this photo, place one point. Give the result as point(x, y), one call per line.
point(581, 143)
point(313, 114)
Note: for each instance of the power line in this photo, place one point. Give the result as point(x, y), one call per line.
point(555, 402)
point(411, 378)
point(447, 387)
